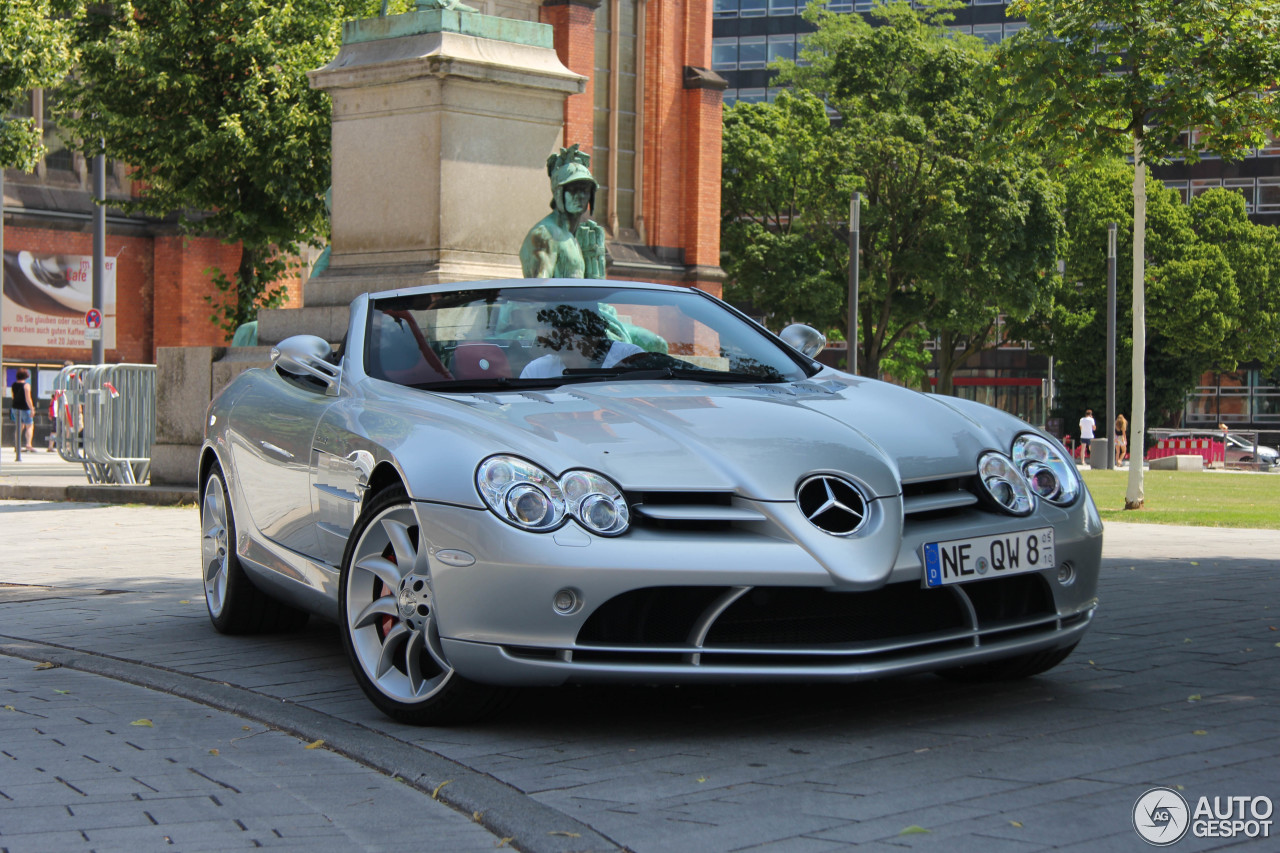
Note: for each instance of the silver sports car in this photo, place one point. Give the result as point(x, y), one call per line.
point(504, 483)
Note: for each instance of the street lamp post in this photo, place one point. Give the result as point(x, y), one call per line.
point(1111, 346)
point(855, 238)
point(99, 247)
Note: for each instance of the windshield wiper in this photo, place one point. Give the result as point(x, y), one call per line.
point(692, 373)
point(590, 374)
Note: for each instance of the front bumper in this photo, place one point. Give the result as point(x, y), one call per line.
point(738, 603)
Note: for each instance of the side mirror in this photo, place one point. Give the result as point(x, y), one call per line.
point(308, 355)
point(806, 339)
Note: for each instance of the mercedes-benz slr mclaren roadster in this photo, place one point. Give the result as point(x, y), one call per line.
point(506, 483)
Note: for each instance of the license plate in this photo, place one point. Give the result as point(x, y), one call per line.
point(962, 560)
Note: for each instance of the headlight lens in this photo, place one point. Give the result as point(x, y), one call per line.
point(521, 493)
point(528, 497)
point(1051, 474)
point(1005, 483)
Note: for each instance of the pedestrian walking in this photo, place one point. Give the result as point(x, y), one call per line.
point(20, 410)
point(1087, 426)
point(1122, 442)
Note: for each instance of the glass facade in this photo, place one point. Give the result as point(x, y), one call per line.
point(1238, 397)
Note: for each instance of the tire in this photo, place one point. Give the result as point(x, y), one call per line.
point(235, 605)
point(1009, 669)
point(388, 622)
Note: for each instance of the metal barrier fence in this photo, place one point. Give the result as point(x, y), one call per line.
point(106, 417)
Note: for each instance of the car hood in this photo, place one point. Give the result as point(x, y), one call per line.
point(756, 440)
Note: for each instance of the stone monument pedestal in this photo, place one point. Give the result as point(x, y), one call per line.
point(442, 123)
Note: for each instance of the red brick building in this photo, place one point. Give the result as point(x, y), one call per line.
point(650, 117)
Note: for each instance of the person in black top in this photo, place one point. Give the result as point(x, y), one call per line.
point(21, 411)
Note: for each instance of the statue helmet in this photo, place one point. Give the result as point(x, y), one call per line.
point(569, 167)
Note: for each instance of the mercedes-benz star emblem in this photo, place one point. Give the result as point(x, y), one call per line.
point(832, 504)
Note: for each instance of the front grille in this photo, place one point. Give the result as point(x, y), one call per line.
point(788, 627)
point(771, 616)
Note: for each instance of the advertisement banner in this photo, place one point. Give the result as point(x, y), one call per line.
point(46, 298)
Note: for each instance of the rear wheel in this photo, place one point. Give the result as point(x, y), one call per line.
point(235, 605)
point(1008, 669)
point(389, 622)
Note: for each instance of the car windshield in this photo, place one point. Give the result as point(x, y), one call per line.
point(524, 337)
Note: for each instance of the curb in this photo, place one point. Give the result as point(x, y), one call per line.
point(149, 495)
point(500, 808)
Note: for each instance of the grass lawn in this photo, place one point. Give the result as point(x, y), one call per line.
point(1204, 499)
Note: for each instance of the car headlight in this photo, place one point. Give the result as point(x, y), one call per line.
point(596, 503)
point(523, 494)
point(1051, 475)
point(1005, 483)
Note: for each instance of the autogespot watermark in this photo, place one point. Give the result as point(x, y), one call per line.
point(1162, 816)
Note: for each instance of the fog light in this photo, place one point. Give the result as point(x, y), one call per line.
point(1066, 574)
point(565, 602)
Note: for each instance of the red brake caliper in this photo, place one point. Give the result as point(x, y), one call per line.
point(386, 623)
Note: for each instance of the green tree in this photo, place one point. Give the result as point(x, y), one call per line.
point(35, 52)
point(209, 100)
point(1211, 292)
point(1094, 77)
point(781, 243)
point(947, 213)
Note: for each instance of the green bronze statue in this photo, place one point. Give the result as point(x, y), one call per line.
point(566, 244)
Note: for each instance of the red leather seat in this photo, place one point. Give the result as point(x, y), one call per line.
point(480, 361)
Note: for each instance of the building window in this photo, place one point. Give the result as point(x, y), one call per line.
point(1180, 187)
point(963, 29)
point(753, 8)
point(782, 7)
point(724, 54)
point(725, 9)
point(1271, 148)
point(730, 97)
point(58, 156)
point(1010, 29)
point(840, 6)
point(1268, 195)
point(614, 131)
point(990, 33)
point(1246, 187)
point(1203, 185)
point(988, 2)
point(753, 52)
point(782, 47)
point(751, 96)
point(1196, 137)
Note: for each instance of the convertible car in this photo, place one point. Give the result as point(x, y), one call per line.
point(506, 483)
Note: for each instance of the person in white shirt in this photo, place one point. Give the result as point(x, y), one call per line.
point(578, 340)
point(1087, 426)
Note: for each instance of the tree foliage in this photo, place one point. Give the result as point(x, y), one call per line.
point(955, 228)
point(209, 100)
point(35, 52)
point(1212, 301)
point(1096, 77)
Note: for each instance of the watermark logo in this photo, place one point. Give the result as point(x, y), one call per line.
point(1160, 817)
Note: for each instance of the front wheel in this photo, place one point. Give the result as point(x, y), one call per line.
point(1008, 669)
point(235, 605)
point(389, 621)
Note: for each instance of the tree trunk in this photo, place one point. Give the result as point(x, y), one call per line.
point(1133, 498)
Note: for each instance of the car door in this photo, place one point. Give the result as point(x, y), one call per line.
point(274, 425)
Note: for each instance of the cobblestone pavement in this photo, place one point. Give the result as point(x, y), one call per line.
point(1177, 684)
point(93, 763)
